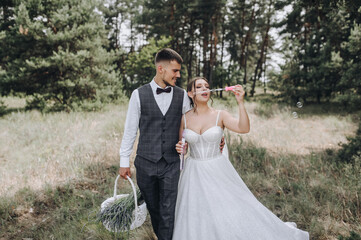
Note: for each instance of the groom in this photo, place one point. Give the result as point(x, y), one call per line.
point(156, 109)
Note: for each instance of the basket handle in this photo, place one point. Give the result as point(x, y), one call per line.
point(133, 187)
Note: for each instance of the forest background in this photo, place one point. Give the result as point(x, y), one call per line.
point(65, 64)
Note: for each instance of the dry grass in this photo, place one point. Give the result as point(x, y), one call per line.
point(280, 133)
point(38, 149)
point(14, 102)
point(43, 151)
point(54, 148)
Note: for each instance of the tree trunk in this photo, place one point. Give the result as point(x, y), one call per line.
point(205, 49)
point(264, 69)
point(171, 29)
point(198, 70)
point(213, 56)
point(132, 48)
point(258, 70)
point(245, 73)
point(246, 40)
point(222, 49)
point(191, 49)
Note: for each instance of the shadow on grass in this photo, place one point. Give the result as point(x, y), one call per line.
point(7, 111)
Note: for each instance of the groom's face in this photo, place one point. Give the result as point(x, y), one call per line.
point(171, 72)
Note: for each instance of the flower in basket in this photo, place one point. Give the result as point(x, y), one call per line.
point(119, 214)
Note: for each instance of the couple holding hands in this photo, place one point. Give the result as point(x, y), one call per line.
point(207, 200)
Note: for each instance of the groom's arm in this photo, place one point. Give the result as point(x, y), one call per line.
point(129, 134)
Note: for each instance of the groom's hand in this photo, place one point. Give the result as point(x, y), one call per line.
point(221, 145)
point(124, 172)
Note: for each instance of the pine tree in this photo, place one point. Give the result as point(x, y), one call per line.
point(317, 35)
point(351, 70)
point(140, 68)
point(55, 53)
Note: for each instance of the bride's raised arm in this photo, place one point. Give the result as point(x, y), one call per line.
point(240, 125)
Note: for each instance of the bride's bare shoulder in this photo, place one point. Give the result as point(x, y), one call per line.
point(189, 113)
point(223, 115)
point(220, 112)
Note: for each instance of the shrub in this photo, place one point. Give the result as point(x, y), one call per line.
point(62, 64)
point(351, 150)
point(2, 108)
point(353, 236)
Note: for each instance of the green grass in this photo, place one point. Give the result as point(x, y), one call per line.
point(57, 168)
point(53, 148)
point(65, 212)
point(320, 195)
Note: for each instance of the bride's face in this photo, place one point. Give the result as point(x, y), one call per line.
point(200, 92)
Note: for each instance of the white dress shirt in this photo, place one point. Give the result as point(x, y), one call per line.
point(133, 115)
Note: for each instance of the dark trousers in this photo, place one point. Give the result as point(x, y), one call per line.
point(158, 183)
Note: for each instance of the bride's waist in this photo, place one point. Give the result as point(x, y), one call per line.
point(205, 158)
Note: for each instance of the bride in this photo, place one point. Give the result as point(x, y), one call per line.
point(213, 202)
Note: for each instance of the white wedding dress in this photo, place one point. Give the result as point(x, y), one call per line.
point(213, 202)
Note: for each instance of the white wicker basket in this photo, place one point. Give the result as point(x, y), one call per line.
point(139, 213)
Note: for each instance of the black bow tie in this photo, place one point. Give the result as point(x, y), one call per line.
point(161, 90)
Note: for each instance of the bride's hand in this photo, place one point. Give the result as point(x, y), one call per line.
point(239, 93)
point(179, 147)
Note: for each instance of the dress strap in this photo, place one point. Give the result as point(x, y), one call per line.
point(219, 111)
point(185, 122)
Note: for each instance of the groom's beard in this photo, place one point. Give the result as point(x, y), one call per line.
point(167, 84)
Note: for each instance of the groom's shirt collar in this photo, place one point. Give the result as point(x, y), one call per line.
point(154, 87)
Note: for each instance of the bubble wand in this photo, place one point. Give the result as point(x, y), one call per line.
point(182, 154)
point(230, 88)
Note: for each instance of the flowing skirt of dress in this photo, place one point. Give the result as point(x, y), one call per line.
point(215, 204)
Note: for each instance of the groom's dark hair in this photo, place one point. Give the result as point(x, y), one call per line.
point(167, 54)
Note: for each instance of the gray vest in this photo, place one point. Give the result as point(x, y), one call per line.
point(159, 134)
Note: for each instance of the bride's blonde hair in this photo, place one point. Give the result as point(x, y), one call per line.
point(190, 86)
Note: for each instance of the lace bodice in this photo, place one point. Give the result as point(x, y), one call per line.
point(205, 145)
